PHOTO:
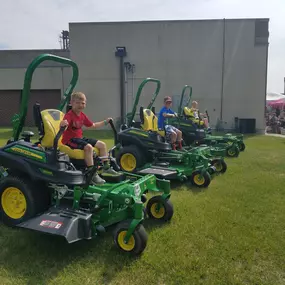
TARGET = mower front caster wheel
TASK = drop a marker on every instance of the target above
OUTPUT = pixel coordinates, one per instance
(137, 242)
(220, 165)
(201, 180)
(233, 151)
(159, 209)
(242, 146)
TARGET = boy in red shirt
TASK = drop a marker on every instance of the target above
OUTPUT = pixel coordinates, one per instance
(75, 119)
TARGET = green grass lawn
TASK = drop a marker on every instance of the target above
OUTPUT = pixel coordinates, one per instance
(231, 233)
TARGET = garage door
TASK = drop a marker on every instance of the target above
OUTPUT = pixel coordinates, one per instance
(10, 104)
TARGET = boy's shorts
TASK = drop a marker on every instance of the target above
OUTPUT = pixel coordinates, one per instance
(81, 143)
(170, 129)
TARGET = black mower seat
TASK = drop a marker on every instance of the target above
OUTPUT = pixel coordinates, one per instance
(48, 123)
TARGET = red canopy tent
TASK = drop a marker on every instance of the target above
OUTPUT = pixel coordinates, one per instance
(280, 103)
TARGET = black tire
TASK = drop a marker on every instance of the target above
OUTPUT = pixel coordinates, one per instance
(242, 146)
(135, 153)
(211, 170)
(233, 151)
(138, 240)
(144, 213)
(165, 212)
(220, 165)
(32, 202)
(205, 182)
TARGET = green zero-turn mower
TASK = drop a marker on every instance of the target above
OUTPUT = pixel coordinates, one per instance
(214, 153)
(143, 149)
(44, 188)
(194, 133)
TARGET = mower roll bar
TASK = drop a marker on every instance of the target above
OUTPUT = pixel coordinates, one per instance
(130, 116)
(182, 97)
(18, 120)
(181, 100)
(188, 101)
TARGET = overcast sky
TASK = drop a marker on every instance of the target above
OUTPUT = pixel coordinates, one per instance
(36, 24)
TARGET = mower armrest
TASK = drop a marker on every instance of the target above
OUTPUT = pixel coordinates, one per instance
(27, 135)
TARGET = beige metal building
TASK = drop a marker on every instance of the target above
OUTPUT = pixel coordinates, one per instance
(225, 61)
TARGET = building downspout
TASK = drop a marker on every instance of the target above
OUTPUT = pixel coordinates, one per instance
(223, 69)
(121, 53)
(265, 85)
(62, 82)
(122, 90)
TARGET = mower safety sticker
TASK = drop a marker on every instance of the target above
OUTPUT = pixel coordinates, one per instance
(50, 224)
(137, 190)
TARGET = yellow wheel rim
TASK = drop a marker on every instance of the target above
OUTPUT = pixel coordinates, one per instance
(199, 179)
(158, 214)
(126, 246)
(128, 162)
(218, 166)
(13, 203)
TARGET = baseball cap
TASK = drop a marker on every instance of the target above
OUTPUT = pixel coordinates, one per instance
(167, 99)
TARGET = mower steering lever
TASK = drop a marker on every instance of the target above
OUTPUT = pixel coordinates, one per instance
(89, 174)
(111, 122)
(55, 142)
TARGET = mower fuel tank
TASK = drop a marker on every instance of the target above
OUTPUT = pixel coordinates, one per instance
(143, 139)
(39, 164)
(73, 225)
(195, 135)
(200, 134)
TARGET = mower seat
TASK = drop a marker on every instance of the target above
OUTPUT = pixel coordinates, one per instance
(150, 122)
(188, 113)
(48, 123)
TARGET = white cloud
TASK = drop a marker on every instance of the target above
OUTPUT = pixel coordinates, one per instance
(30, 24)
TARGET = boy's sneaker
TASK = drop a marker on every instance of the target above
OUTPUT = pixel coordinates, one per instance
(96, 179)
(110, 171)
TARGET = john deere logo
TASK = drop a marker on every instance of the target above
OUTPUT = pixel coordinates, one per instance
(27, 153)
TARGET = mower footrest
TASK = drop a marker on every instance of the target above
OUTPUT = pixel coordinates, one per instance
(160, 172)
(71, 224)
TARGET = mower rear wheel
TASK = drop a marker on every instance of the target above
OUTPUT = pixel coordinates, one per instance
(19, 200)
(159, 209)
(137, 242)
(233, 151)
(220, 165)
(130, 158)
(201, 179)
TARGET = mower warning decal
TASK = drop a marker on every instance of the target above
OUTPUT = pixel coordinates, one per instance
(50, 224)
